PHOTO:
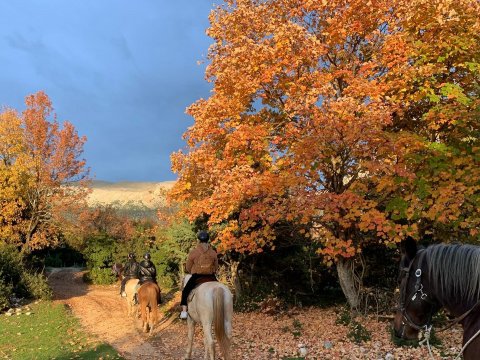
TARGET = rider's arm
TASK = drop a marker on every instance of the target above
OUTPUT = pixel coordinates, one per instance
(191, 258)
(215, 264)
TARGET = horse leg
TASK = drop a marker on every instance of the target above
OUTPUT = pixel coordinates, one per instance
(135, 308)
(130, 307)
(143, 310)
(191, 333)
(208, 341)
(150, 320)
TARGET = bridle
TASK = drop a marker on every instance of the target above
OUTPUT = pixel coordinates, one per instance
(417, 292)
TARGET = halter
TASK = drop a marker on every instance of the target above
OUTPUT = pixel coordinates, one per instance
(418, 290)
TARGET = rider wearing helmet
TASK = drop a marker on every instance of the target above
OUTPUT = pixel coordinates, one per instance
(130, 271)
(202, 263)
(147, 272)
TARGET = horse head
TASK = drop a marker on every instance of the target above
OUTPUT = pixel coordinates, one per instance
(117, 270)
(417, 304)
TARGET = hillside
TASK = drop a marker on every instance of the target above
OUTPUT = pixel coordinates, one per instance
(143, 194)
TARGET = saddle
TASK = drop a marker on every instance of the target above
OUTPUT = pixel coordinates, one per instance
(198, 282)
(139, 284)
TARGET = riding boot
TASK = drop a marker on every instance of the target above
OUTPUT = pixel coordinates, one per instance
(184, 313)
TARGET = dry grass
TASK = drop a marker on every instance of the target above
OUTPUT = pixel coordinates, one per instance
(148, 194)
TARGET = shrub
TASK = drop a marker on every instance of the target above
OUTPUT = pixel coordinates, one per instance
(6, 291)
(99, 252)
(358, 333)
(344, 317)
(100, 276)
(11, 264)
(16, 279)
(36, 285)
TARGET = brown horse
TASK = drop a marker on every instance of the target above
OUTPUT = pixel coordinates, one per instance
(149, 298)
(117, 270)
(439, 276)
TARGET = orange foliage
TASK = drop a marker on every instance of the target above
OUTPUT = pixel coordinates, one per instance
(106, 220)
(319, 114)
(43, 176)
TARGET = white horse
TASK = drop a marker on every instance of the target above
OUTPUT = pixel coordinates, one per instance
(130, 290)
(210, 303)
(130, 287)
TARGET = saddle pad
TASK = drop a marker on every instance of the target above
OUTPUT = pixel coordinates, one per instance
(199, 282)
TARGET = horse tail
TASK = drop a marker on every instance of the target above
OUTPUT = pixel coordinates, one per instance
(223, 335)
(154, 307)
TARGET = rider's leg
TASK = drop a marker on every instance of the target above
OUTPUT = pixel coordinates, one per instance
(135, 294)
(189, 286)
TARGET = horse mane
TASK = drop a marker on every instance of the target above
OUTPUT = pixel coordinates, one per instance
(454, 272)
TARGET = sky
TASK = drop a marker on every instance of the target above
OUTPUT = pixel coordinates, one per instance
(123, 72)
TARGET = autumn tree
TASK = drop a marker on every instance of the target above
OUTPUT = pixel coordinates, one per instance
(314, 121)
(11, 170)
(105, 220)
(436, 88)
(43, 168)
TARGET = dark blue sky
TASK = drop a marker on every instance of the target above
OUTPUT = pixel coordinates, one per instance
(121, 71)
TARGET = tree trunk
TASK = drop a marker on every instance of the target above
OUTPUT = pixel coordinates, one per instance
(348, 282)
(235, 279)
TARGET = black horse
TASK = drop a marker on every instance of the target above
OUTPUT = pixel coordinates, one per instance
(439, 276)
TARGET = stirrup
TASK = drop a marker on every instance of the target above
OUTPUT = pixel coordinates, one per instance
(183, 315)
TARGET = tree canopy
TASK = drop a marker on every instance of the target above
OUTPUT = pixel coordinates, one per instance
(355, 121)
(42, 174)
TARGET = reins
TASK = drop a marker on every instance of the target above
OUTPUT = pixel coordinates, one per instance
(427, 328)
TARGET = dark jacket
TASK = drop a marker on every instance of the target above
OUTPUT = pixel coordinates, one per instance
(147, 272)
(131, 269)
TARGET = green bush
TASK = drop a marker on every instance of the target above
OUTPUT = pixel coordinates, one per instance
(344, 317)
(11, 264)
(99, 255)
(99, 252)
(6, 291)
(358, 333)
(16, 279)
(171, 251)
(100, 276)
(36, 285)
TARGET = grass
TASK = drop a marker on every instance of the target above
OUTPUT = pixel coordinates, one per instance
(50, 332)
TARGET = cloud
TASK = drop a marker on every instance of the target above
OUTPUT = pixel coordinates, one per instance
(122, 72)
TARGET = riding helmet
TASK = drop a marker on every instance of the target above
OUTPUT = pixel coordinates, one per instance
(131, 256)
(203, 236)
(146, 256)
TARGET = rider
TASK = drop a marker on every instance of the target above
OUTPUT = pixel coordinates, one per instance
(129, 272)
(147, 273)
(202, 263)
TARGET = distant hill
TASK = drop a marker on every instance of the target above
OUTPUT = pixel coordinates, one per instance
(128, 194)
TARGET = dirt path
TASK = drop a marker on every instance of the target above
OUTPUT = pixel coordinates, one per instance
(257, 335)
(102, 312)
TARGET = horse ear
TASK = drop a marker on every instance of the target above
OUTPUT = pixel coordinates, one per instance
(408, 247)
